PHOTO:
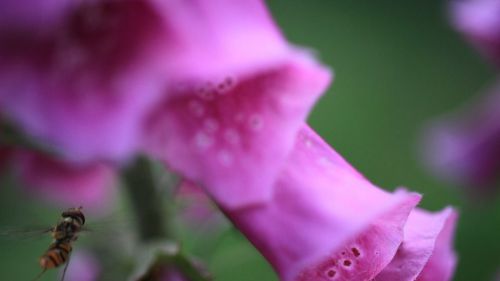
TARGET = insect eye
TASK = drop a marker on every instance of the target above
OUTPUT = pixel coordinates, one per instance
(66, 214)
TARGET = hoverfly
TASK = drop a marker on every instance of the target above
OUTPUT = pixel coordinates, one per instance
(64, 233)
(71, 225)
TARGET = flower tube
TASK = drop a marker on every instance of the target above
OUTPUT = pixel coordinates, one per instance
(325, 221)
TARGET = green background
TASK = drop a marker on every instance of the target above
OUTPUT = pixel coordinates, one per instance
(398, 64)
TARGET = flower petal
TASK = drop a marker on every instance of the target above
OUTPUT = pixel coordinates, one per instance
(27, 15)
(232, 135)
(441, 265)
(101, 68)
(95, 74)
(54, 180)
(213, 37)
(479, 20)
(325, 221)
(422, 233)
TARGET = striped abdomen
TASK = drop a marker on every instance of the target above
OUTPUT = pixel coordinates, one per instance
(56, 255)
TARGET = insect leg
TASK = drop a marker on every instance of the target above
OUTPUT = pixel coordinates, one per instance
(40, 274)
(65, 267)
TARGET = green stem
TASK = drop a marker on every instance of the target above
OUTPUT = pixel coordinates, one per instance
(165, 260)
(147, 201)
(189, 269)
(149, 189)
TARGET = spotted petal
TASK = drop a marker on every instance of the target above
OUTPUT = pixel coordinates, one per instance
(101, 66)
(325, 221)
(233, 134)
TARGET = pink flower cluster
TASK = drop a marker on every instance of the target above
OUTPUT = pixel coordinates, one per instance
(213, 90)
(465, 147)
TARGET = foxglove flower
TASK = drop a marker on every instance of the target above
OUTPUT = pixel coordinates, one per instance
(92, 75)
(212, 87)
(325, 221)
(466, 148)
(426, 253)
(233, 135)
(479, 20)
(98, 67)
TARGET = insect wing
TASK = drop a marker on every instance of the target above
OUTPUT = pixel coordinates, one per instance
(21, 233)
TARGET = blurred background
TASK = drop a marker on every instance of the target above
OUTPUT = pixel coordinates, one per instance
(398, 65)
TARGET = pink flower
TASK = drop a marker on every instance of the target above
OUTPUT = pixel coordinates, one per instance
(90, 185)
(210, 87)
(465, 148)
(84, 85)
(479, 20)
(233, 134)
(325, 221)
(99, 67)
(426, 253)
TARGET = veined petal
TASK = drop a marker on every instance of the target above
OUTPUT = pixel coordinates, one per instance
(479, 20)
(232, 135)
(325, 221)
(54, 180)
(421, 254)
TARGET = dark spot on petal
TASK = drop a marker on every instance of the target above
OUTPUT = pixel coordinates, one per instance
(331, 273)
(347, 263)
(229, 81)
(355, 252)
(343, 253)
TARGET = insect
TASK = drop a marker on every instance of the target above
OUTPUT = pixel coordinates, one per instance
(64, 233)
